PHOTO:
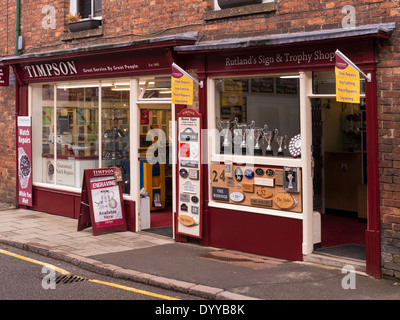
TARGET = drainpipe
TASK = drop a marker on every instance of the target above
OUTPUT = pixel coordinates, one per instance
(17, 110)
(18, 26)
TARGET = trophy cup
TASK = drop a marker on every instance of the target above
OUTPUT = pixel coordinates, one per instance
(258, 134)
(237, 135)
(269, 137)
(281, 141)
(224, 126)
(246, 129)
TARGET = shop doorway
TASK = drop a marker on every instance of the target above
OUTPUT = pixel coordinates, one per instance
(155, 163)
(340, 176)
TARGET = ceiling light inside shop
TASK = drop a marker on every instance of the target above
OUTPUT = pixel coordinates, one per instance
(295, 76)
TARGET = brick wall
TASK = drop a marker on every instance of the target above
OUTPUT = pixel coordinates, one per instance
(388, 83)
(7, 147)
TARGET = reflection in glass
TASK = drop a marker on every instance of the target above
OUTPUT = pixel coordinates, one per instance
(251, 111)
(115, 131)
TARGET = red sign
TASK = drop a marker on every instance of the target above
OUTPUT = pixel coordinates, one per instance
(4, 76)
(127, 63)
(24, 145)
(291, 58)
(102, 205)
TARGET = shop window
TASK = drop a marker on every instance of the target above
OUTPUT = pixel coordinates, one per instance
(115, 131)
(257, 116)
(66, 125)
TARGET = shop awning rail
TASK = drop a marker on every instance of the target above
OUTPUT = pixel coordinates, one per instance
(378, 30)
(173, 40)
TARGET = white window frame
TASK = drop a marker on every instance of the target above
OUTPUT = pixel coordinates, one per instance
(73, 9)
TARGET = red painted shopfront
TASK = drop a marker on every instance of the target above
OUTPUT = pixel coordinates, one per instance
(255, 229)
(271, 81)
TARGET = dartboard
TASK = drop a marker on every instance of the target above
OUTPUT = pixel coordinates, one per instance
(25, 165)
(295, 146)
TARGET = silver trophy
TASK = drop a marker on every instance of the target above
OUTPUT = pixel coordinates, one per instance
(225, 127)
(242, 133)
(237, 135)
(269, 137)
(258, 135)
(281, 141)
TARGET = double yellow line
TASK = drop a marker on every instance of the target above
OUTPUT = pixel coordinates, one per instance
(65, 272)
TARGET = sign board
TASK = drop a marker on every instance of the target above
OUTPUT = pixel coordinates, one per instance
(189, 174)
(102, 205)
(4, 76)
(347, 81)
(182, 87)
(24, 145)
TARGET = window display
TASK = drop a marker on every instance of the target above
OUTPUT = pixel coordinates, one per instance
(257, 122)
(257, 116)
(71, 116)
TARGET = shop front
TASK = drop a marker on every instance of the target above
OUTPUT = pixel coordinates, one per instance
(108, 106)
(283, 156)
(267, 158)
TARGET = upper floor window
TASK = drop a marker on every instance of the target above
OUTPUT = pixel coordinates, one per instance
(86, 8)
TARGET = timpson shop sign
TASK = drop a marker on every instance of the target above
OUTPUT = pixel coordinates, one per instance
(51, 69)
(91, 66)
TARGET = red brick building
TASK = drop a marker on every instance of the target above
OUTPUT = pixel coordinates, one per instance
(93, 94)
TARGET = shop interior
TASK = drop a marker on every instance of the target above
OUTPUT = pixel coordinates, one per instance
(340, 177)
(156, 169)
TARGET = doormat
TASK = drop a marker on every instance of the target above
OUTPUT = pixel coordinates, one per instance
(162, 231)
(351, 250)
(339, 230)
(161, 218)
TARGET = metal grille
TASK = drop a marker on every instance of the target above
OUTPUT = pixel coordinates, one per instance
(69, 278)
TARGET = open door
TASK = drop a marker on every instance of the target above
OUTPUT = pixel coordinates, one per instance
(340, 176)
(155, 168)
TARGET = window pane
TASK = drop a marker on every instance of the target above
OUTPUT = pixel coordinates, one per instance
(77, 138)
(155, 88)
(97, 8)
(115, 130)
(84, 8)
(47, 128)
(257, 116)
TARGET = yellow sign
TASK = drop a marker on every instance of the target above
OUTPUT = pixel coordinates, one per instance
(182, 88)
(232, 93)
(347, 82)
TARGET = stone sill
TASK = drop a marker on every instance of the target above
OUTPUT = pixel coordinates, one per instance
(68, 36)
(239, 11)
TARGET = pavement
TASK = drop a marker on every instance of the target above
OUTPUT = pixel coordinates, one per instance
(206, 272)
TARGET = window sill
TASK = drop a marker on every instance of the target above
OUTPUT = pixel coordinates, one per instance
(68, 36)
(239, 11)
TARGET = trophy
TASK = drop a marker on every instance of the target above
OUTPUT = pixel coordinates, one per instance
(281, 141)
(237, 135)
(242, 131)
(224, 126)
(258, 134)
(269, 136)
